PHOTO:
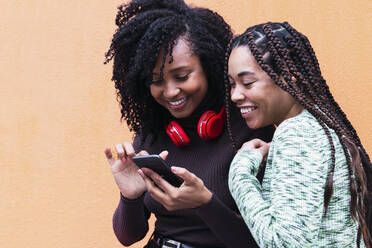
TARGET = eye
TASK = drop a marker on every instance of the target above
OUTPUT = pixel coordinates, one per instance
(247, 84)
(182, 78)
(156, 82)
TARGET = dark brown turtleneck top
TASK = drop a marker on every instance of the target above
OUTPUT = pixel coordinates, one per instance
(215, 224)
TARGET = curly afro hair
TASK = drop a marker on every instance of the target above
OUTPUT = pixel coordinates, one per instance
(144, 28)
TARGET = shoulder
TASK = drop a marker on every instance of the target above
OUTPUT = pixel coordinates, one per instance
(301, 137)
(301, 126)
(300, 149)
(302, 141)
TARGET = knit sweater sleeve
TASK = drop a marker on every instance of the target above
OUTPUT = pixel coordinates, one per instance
(130, 220)
(225, 223)
(290, 216)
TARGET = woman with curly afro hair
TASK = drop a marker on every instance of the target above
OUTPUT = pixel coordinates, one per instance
(316, 189)
(168, 72)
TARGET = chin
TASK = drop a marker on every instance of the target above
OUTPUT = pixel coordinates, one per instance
(253, 125)
(180, 115)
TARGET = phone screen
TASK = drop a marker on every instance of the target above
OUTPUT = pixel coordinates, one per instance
(157, 164)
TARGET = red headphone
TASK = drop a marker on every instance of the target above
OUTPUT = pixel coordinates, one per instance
(209, 127)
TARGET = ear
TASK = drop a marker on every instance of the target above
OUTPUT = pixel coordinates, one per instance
(299, 86)
(293, 79)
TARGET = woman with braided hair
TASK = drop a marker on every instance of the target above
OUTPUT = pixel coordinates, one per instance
(168, 72)
(314, 191)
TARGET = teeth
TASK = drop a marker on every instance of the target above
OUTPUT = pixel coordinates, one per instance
(178, 102)
(247, 110)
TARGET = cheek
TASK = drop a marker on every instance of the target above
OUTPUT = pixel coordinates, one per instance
(279, 97)
(199, 86)
(204, 88)
(155, 92)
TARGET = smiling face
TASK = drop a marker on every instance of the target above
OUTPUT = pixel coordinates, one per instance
(260, 100)
(184, 84)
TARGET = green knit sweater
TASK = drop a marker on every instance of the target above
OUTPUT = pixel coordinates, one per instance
(287, 210)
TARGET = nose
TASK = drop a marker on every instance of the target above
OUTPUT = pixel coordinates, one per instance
(171, 90)
(236, 94)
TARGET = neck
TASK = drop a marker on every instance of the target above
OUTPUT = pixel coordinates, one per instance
(296, 109)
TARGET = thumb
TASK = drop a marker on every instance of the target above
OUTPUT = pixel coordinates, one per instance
(186, 175)
(163, 155)
(142, 153)
(264, 149)
(258, 143)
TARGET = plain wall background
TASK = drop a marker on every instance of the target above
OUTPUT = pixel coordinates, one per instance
(58, 109)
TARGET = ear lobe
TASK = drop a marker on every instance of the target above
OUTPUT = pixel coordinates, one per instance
(297, 85)
(294, 80)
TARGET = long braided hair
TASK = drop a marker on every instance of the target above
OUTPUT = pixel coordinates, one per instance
(146, 27)
(281, 51)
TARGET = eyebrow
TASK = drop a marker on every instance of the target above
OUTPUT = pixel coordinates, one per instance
(242, 74)
(174, 70)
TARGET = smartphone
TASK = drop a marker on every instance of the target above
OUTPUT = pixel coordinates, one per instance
(157, 164)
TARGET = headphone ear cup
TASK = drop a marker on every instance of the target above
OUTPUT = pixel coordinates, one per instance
(177, 134)
(210, 124)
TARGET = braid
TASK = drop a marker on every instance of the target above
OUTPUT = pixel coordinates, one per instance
(343, 128)
(286, 65)
(323, 87)
(322, 102)
(227, 98)
(281, 51)
(299, 96)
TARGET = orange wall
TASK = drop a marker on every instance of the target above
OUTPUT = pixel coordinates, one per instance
(58, 108)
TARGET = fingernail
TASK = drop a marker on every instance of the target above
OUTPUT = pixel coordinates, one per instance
(123, 160)
(175, 169)
(140, 173)
(156, 178)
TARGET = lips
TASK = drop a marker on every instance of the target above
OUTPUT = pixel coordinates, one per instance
(178, 103)
(246, 110)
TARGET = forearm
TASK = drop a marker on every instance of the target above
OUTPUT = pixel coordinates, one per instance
(273, 224)
(130, 220)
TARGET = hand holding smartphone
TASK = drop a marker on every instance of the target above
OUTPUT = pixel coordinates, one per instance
(157, 164)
